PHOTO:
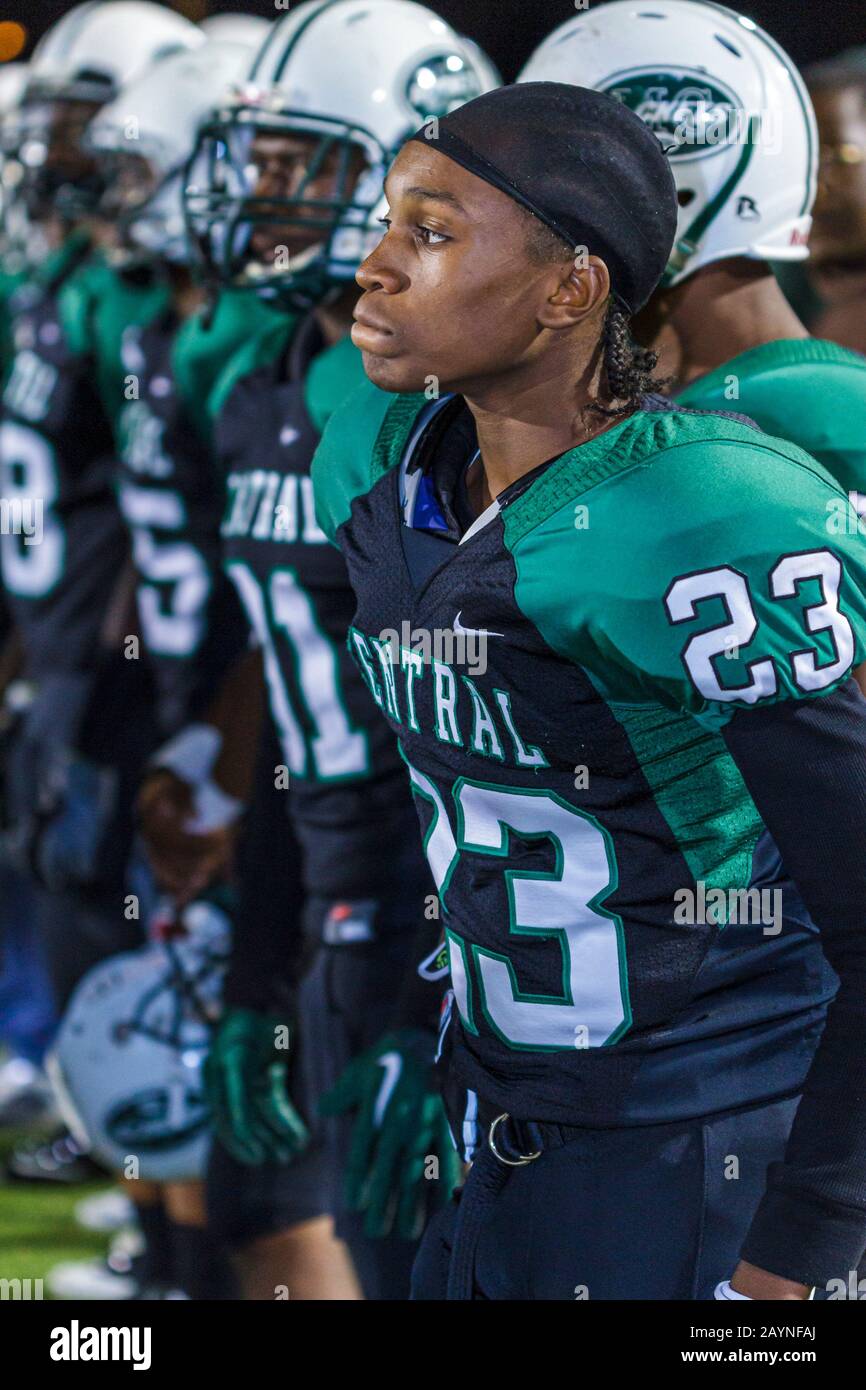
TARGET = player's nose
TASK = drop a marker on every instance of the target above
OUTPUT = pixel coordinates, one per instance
(379, 273)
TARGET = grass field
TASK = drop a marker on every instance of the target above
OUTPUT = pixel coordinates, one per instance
(37, 1227)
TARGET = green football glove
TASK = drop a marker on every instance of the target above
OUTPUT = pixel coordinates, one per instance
(400, 1126)
(245, 1077)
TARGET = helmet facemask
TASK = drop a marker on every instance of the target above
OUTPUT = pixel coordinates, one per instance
(284, 202)
(140, 215)
(59, 177)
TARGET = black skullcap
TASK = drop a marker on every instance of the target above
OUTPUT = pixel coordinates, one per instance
(583, 163)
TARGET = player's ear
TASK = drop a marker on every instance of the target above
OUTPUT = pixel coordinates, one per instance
(584, 286)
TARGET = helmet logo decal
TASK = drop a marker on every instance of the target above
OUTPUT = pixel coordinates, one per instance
(163, 1117)
(691, 115)
(747, 209)
(439, 85)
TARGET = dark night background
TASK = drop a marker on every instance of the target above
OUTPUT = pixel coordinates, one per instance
(510, 29)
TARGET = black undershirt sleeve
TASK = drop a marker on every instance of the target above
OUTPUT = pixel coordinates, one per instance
(805, 766)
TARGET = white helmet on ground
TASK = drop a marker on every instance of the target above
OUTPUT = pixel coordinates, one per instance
(353, 78)
(147, 134)
(127, 1063)
(727, 104)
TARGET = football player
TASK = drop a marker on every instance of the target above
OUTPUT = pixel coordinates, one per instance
(734, 117)
(60, 567)
(294, 176)
(78, 751)
(158, 375)
(26, 1008)
(155, 377)
(667, 630)
(837, 266)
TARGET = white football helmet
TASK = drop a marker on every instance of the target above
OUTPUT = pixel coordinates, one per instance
(127, 1063)
(248, 29)
(490, 74)
(144, 139)
(13, 80)
(728, 106)
(96, 47)
(353, 78)
(80, 63)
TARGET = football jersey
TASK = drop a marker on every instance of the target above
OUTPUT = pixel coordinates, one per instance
(560, 674)
(348, 795)
(171, 498)
(806, 390)
(63, 542)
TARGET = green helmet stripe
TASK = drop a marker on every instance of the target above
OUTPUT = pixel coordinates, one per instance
(688, 243)
(799, 87)
(264, 50)
(301, 29)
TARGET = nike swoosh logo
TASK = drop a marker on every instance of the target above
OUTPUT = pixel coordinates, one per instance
(392, 1065)
(462, 631)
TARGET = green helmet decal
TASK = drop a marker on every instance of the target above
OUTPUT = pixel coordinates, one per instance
(692, 115)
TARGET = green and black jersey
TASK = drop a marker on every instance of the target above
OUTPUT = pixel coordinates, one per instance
(63, 543)
(157, 377)
(805, 390)
(348, 795)
(601, 688)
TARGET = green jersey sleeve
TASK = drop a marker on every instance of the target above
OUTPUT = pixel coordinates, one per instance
(77, 303)
(100, 306)
(802, 389)
(706, 579)
(9, 283)
(333, 376)
(353, 451)
(260, 349)
(206, 343)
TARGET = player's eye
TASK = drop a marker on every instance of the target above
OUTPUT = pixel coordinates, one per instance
(385, 221)
(429, 237)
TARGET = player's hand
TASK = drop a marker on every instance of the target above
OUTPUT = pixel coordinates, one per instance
(757, 1283)
(399, 1126)
(184, 863)
(245, 1078)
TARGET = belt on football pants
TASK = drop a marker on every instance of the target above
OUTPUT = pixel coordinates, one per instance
(510, 1144)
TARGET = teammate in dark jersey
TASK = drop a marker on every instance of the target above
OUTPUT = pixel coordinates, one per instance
(652, 602)
(79, 752)
(837, 264)
(157, 377)
(727, 338)
(363, 886)
(88, 725)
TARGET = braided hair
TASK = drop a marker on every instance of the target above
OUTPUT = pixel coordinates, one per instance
(627, 368)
